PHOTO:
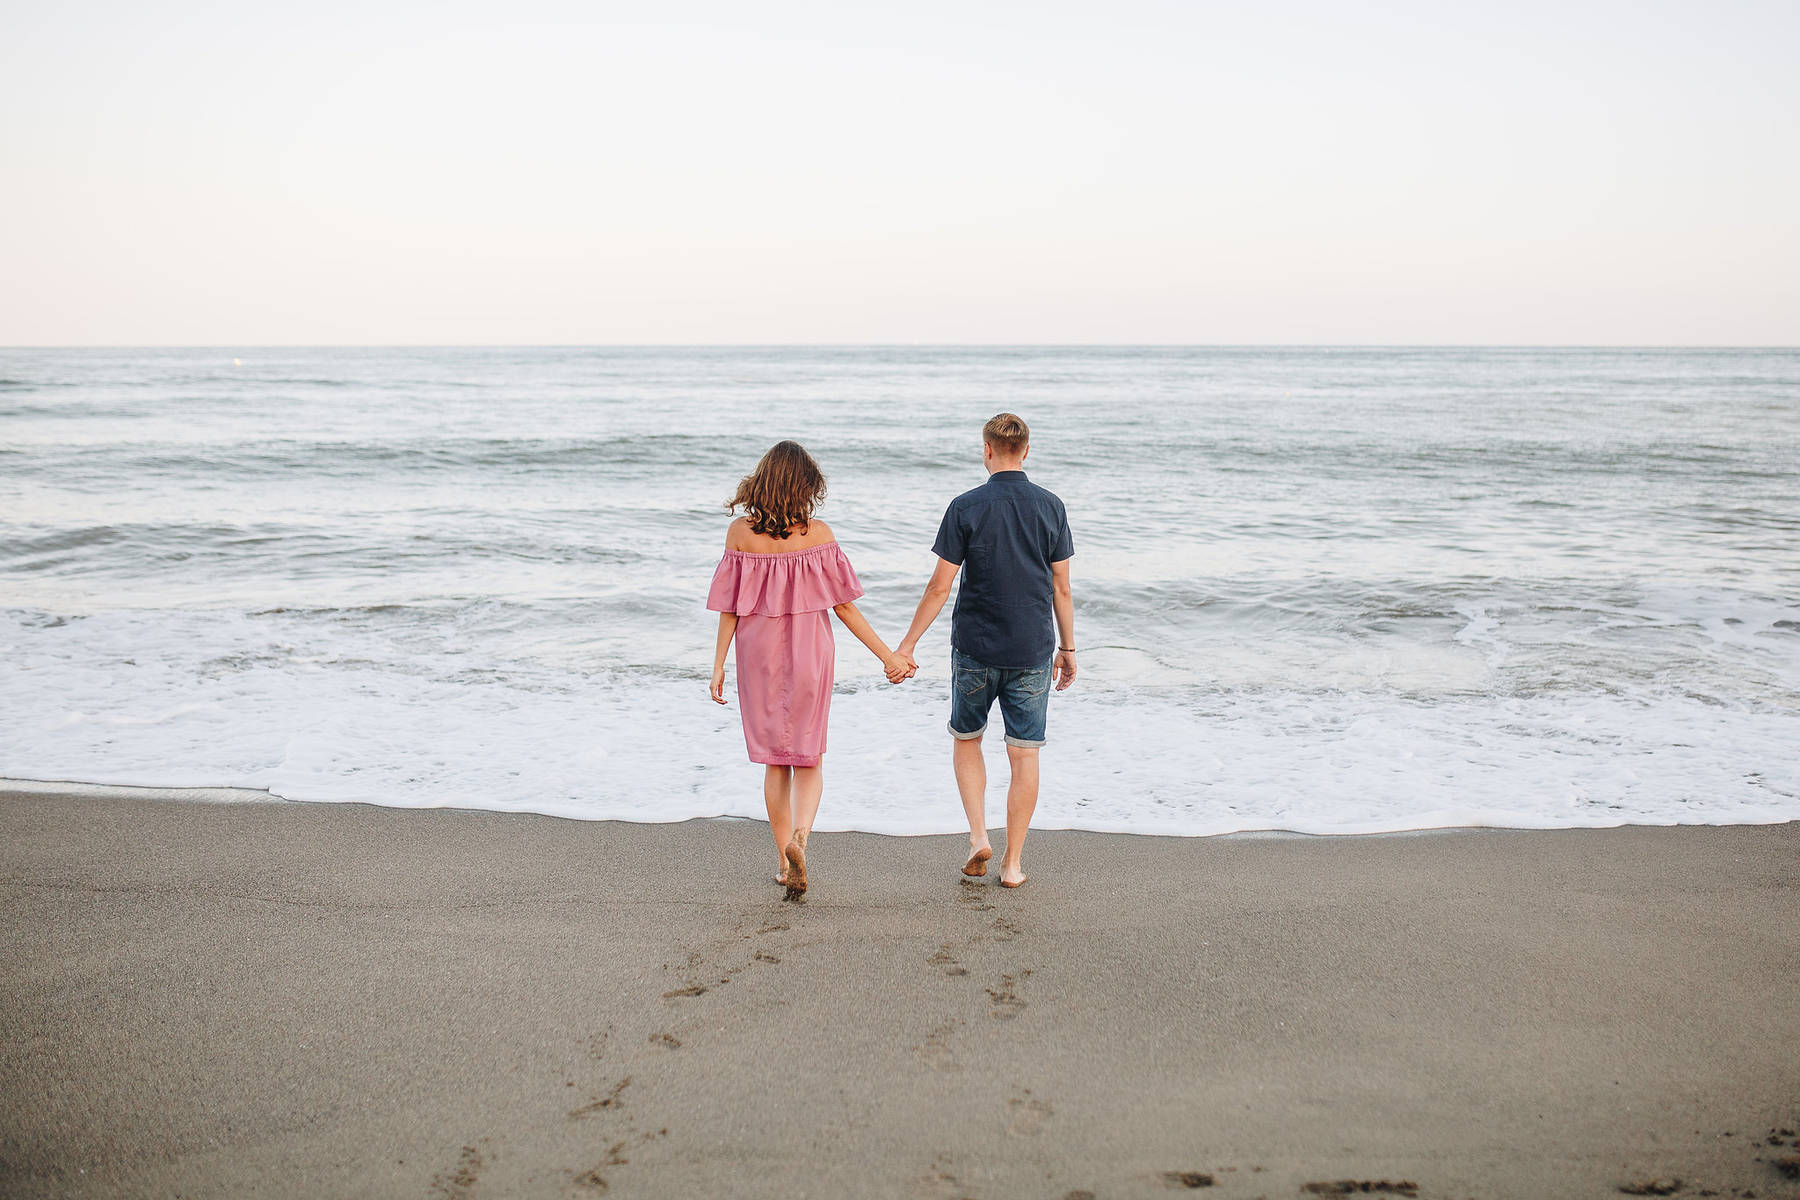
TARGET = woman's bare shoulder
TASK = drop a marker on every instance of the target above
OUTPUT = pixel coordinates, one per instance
(742, 537)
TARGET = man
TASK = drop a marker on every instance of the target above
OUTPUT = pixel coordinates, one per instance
(1012, 537)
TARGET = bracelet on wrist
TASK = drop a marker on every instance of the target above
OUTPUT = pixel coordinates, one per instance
(1066, 649)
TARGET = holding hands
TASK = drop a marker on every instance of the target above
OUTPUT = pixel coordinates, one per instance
(900, 666)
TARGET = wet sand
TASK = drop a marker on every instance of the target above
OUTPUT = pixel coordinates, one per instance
(227, 999)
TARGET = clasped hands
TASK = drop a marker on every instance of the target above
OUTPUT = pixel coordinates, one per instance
(900, 665)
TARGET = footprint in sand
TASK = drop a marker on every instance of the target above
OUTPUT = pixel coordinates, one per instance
(1004, 930)
(461, 1179)
(592, 1179)
(1346, 1187)
(1026, 1116)
(667, 1041)
(974, 895)
(1004, 1001)
(602, 1103)
(943, 958)
(941, 1181)
(1188, 1179)
(935, 1050)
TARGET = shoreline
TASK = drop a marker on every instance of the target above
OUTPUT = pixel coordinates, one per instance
(300, 998)
(243, 795)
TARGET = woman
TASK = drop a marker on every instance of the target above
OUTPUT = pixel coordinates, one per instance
(782, 575)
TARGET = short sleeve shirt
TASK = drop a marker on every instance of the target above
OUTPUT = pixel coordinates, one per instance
(1004, 535)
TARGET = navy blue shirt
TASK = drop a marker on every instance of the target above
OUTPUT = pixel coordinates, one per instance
(1004, 535)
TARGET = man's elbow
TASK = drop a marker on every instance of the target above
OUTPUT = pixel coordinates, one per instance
(1064, 590)
(939, 592)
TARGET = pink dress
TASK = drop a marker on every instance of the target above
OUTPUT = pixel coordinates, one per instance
(785, 649)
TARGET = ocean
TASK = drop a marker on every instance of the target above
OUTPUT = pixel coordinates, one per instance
(1317, 589)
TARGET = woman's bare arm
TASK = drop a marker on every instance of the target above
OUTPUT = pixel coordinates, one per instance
(727, 629)
(856, 623)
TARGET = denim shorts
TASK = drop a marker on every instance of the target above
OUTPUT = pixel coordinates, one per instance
(1023, 692)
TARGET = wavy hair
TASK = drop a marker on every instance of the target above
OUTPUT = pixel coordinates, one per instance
(782, 492)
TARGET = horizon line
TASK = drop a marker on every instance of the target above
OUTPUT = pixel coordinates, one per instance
(900, 346)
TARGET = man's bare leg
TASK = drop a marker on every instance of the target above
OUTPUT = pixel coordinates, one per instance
(1021, 802)
(778, 786)
(971, 781)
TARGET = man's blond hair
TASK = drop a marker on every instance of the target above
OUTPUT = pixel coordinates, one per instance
(1007, 434)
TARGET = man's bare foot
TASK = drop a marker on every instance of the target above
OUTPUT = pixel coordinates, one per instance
(1011, 877)
(976, 867)
(796, 872)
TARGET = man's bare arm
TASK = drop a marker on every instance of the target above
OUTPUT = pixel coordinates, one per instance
(1063, 601)
(930, 605)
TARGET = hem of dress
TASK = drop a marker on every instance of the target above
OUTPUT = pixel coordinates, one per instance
(789, 760)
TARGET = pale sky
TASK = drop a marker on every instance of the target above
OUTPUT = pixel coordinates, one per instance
(775, 172)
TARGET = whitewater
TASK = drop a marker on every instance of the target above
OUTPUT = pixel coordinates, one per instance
(1322, 590)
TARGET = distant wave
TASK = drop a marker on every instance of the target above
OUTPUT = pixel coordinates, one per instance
(244, 461)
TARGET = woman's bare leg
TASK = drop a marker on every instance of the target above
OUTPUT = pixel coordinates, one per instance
(778, 788)
(809, 785)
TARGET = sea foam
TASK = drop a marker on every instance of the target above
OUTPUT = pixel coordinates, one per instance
(1321, 590)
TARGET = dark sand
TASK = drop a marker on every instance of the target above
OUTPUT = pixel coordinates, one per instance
(272, 999)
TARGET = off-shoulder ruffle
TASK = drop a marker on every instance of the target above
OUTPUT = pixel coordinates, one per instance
(776, 585)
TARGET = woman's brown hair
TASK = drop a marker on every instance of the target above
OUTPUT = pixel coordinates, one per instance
(782, 492)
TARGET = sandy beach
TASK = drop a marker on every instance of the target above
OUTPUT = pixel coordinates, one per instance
(208, 998)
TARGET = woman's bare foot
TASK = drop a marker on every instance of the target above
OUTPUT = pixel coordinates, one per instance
(1011, 876)
(796, 871)
(781, 872)
(976, 867)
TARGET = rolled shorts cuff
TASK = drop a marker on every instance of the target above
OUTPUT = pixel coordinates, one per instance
(1023, 743)
(960, 736)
